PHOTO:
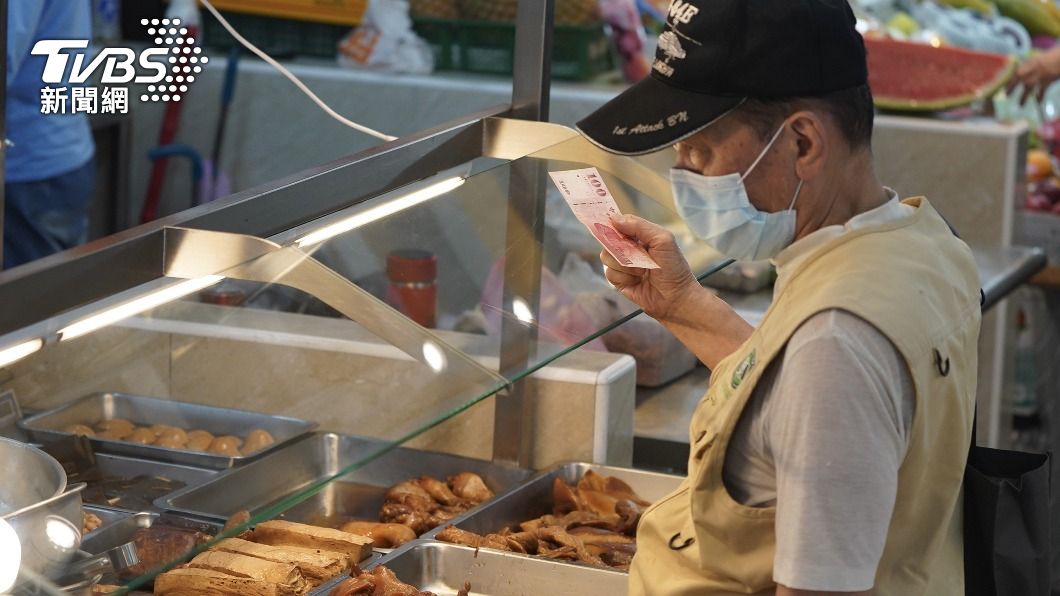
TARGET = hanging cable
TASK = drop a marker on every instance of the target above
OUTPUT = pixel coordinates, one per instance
(297, 82)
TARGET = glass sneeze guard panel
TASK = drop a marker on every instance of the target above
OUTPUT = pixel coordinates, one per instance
(174, 374)
(312, 330)
(483, 243)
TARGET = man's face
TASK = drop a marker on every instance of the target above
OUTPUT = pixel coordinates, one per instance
(730, 146)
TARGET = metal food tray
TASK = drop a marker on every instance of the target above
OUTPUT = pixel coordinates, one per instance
(117, 466)
(443, 569)
(107, 516)
(143, 411)
(534, 499)
(123, 530)
(358, 495)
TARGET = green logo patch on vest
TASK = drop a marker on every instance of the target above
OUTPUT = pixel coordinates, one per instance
(743, 369)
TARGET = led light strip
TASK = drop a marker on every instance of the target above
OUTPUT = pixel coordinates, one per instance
(20, 351)
(379, 212)
(137, 306)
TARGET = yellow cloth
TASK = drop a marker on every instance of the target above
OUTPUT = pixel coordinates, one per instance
(916, 283)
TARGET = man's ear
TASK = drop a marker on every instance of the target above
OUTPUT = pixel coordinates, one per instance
(811, 138)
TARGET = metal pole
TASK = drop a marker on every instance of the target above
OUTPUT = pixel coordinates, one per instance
(3, 120)
(513, 417)
(513, 422)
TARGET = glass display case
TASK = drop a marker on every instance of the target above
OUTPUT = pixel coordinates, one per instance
(215, 343)
(293, 353)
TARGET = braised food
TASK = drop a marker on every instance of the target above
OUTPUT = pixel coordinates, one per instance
(159, 545)
(90, 521)
(174, 437)
(594, 522)
(256, 440)
(377, 581)
(383, 535)
(425, 503)
(285, 533)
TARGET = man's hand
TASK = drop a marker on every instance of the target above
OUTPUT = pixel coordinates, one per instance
(704, 323)
(658, 291)
(1036, 73)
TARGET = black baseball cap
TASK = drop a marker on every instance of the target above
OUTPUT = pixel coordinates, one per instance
(716, 53)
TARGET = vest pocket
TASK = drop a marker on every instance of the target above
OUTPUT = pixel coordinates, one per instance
(663, 523)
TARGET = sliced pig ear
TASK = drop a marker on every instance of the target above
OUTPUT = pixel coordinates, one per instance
(618, 488)
(563, 498)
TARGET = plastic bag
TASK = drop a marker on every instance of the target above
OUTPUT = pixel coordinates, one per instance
(660, 357)
(386, 41)
(627, 32)
(562, 319)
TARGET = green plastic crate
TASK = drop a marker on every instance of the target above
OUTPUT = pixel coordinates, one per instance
(580, 52)
(277, 37)
(441, 36)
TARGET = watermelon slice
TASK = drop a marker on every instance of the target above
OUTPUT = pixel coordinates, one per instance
(922, 78)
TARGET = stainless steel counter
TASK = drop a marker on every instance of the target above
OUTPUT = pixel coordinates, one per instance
(662, 415)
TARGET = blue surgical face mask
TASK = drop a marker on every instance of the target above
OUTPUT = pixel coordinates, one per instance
(718, 210)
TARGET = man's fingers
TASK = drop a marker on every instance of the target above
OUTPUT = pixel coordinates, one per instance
(1025, 93)
(612, 264)
(620, 279)
(641, 230)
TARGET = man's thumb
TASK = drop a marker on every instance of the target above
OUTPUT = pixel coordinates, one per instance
(629, 225)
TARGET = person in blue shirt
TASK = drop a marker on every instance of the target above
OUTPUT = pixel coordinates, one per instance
(50, 170)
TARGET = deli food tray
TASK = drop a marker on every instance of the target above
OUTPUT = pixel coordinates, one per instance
(534, 498)
(130, 484)
(106, 515)
(146, 411)
(444, 569)
(123, 530)
(357, 495)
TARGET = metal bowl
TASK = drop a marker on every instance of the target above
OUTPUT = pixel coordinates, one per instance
(30, 476)
(44, 512)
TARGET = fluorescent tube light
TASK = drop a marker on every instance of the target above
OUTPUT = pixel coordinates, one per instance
(378, 212)
(137, 306)
(20, 351)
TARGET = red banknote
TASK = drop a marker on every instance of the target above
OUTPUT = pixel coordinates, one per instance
(585, 192)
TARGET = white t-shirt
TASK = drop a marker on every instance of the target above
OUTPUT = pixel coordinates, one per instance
(823, 436)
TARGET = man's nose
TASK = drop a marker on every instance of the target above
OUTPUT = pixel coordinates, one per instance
(683, 160)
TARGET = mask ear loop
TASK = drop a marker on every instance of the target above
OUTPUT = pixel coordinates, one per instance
(796, 197)
(769, 146)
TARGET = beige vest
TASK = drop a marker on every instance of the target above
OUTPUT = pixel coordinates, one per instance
(916, 283)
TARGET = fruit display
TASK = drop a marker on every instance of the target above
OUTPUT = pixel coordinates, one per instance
(568, 12)
(435, 9)
(1040, 17)
(980, 6)
(908, 76)
(1043, 183)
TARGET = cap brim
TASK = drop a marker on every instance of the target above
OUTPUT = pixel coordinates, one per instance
(652, 115)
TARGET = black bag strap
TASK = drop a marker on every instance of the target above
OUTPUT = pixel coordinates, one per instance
(975, 422)
(975, 412)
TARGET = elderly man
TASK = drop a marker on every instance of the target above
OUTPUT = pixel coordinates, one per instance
(828, 453)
